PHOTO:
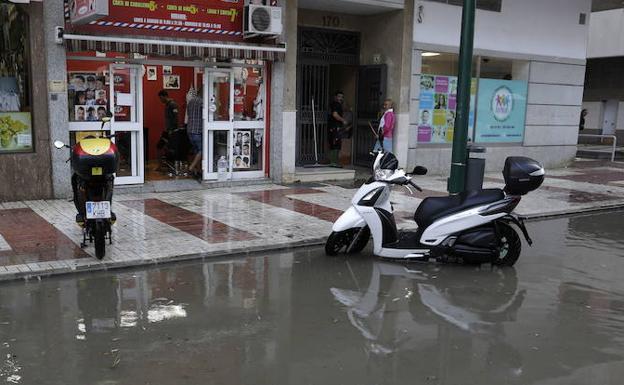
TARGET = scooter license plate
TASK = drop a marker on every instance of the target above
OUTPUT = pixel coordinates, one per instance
(96, 171)
(98, 210)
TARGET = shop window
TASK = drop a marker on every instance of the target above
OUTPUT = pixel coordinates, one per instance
(486, 5)
(438, 98)
(501, 106)
(15, 94)
(438, 63)
(497, 99)
(249, 94)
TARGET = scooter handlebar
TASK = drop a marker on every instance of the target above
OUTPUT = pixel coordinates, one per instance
(414, 185)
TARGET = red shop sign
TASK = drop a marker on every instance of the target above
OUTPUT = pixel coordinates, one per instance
(201, 19)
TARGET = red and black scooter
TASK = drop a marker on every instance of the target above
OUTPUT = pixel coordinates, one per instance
(94, 162)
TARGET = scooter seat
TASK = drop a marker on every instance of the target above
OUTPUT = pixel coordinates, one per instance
(433, 208)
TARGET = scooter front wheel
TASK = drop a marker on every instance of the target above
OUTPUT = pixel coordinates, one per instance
(510, 246)
(350, 241)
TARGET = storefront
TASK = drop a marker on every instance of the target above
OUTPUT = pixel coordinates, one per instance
(527, 83)
(120, 62)
(24, 151)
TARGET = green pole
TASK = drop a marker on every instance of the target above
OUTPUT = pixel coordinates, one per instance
(460, 136)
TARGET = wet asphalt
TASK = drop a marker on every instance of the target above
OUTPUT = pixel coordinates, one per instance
(300, 317)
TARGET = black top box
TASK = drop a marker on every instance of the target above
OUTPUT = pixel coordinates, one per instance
(522, 175)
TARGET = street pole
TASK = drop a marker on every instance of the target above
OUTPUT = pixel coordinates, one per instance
(460, 136)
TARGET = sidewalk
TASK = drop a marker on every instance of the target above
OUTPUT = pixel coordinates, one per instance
(40, 238)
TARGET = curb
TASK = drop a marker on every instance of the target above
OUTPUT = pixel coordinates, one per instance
(94, 265)
(570, 213)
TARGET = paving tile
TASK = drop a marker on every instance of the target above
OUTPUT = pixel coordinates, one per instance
(200, 226)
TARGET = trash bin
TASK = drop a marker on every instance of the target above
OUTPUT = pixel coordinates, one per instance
(475, 168)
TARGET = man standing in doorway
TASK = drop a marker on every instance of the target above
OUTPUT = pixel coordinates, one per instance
(335, 123)
(195, 125)
(171, 111)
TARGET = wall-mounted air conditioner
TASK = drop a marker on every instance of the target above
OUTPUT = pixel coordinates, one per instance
(262, 20)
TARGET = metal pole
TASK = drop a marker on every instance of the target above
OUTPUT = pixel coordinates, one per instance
(314, 125)
(458, 166)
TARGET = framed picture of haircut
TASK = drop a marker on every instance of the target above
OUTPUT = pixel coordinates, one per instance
(151, 73)
(171, 82)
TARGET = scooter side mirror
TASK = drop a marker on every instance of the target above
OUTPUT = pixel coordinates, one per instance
(58, 144)
(419, 170)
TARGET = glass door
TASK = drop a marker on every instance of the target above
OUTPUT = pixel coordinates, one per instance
(126, 103)
(218, 95)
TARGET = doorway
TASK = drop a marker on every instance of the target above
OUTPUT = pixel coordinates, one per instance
(126, 126)
(327, 62)
(610, 111)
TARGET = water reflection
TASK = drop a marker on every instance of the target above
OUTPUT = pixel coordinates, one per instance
(304, 318)
(403, 308)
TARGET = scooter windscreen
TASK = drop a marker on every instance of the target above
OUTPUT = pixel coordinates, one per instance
(388, 162)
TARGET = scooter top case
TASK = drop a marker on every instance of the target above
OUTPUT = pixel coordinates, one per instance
(95, 157)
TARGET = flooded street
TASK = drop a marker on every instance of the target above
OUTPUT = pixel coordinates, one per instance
(304, 318)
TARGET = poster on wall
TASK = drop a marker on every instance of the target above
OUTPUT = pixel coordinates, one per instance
(438, 102)
(501, 111)
(15, 132)
(208, 19)
(87, 96)
(242, 149)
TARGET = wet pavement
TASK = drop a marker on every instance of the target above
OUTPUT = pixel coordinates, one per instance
(41, 238)
(304, 318)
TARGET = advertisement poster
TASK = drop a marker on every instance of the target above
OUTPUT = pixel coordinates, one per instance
(15, 132)
(207, 19)
(438, 102)
(242, 149)
(501, 111)
(88, 96)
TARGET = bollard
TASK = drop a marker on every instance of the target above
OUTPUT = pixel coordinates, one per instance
(475, 168)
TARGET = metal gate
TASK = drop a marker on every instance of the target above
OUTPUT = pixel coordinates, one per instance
(371, 93)
(313, 87)
(318, 49)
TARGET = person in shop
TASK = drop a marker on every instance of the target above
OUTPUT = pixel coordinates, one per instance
(335, 123)
(171, 111)
(194, 128)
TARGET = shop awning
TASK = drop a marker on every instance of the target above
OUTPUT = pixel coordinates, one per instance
(188, 49)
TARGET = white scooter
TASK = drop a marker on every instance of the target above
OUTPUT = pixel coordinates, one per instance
(473, 226)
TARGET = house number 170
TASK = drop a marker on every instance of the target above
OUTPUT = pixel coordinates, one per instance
(331, 21)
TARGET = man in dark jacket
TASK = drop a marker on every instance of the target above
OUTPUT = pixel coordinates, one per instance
(171, 111)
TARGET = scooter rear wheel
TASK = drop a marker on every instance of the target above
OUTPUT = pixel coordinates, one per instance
(510, 246)
(100, 239)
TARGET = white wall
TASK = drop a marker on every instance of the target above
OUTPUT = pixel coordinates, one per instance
(620, 117)
(606, 31)
(532, 27)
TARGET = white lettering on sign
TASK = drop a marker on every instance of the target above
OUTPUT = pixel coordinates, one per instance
(178, 16)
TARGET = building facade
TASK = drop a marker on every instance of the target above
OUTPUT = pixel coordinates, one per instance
(604, 83)
(527, 82)
(527, 89)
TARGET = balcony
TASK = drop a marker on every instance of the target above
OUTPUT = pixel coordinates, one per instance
(353, 7)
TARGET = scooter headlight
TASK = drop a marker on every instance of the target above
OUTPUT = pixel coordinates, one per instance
(383, 174)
